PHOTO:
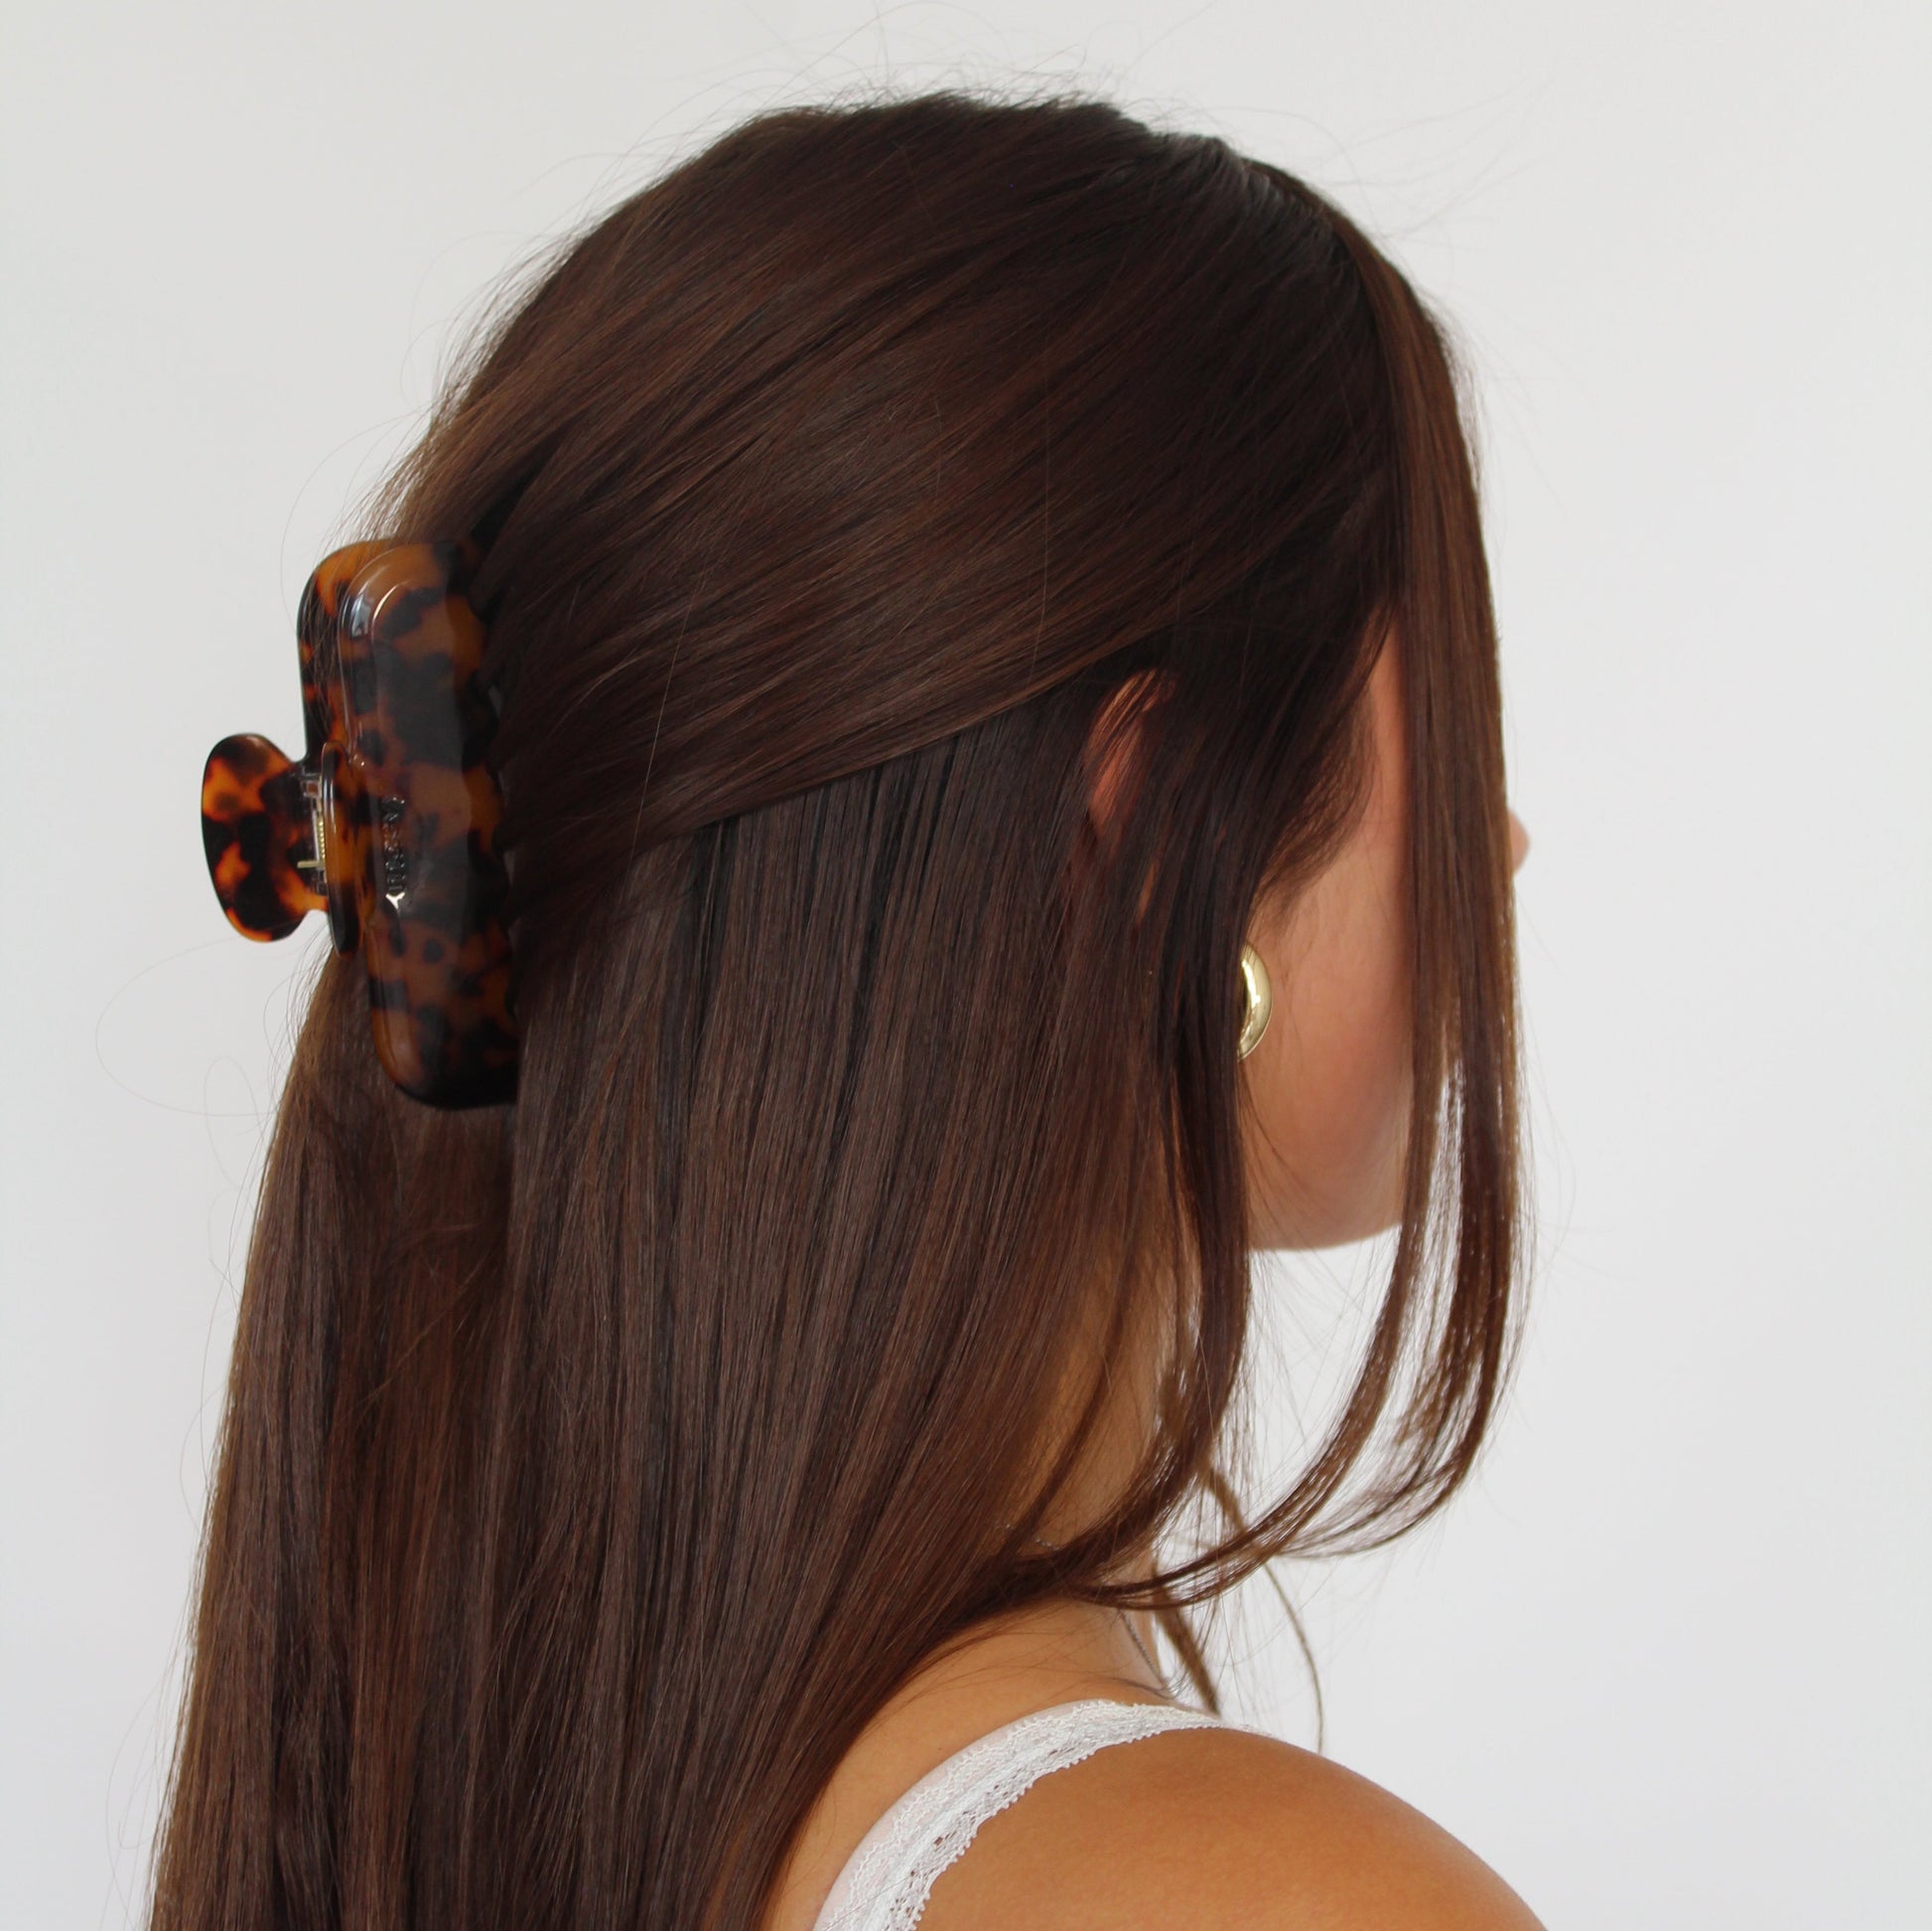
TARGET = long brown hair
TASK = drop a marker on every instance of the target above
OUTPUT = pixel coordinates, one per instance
(593, 1468)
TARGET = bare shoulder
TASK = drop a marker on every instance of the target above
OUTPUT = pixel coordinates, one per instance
(1222, 1827)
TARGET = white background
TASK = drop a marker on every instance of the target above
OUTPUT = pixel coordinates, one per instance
(1667, 1663)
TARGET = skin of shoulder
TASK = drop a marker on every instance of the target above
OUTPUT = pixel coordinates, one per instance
(1223, 1829)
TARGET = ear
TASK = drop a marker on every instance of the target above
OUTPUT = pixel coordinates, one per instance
(1113, 750)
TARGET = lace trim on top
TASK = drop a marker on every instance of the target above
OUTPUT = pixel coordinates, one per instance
(886, 1880)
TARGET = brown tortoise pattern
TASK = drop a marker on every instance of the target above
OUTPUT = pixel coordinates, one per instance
(390, 823)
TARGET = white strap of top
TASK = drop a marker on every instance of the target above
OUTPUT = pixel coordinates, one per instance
(887, 1878)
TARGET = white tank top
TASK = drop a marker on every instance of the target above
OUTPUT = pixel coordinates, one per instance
(886, 1881)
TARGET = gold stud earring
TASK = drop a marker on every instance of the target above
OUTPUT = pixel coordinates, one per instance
(1258, 1000)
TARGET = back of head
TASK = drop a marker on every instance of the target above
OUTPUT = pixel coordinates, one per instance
(594, 1466)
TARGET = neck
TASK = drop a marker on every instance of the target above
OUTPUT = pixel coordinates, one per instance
(1048, 1652)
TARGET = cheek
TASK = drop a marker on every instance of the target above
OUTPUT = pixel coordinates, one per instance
(1328, 1082)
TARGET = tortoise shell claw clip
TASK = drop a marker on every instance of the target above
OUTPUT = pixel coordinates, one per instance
(389, 822)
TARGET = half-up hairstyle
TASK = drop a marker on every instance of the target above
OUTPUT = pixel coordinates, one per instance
(593, 1468)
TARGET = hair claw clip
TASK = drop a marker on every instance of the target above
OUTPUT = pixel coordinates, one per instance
(390, 823)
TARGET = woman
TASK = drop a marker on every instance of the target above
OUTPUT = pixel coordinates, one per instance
(994, 709)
